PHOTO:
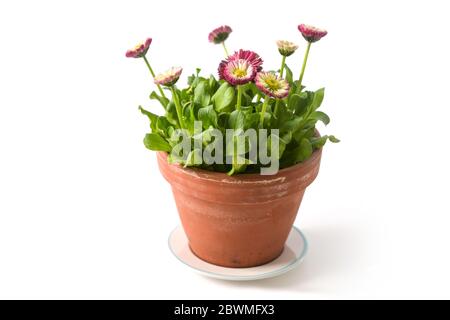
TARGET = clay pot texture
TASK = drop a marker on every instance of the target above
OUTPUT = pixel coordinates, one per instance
(238, 221)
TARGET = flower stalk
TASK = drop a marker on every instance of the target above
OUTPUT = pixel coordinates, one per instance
(311, 34)
(277, 106)
(225, 49)
(239, 97)
(219, 35)
(305, 60)
(153, 75)
(178, 107)
(263, 110)
(283, 64)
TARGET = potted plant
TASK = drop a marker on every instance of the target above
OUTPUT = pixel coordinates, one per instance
(238, 150)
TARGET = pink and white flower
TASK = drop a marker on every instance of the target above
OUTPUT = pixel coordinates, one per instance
(219, 34)
(140, 50)
(272, 85)
(286, 48)
(169, 78)
(241, 67)
(310, 33)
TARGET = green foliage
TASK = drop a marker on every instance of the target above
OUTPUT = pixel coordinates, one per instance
(213, 102)
(224, 98)
(155, 142)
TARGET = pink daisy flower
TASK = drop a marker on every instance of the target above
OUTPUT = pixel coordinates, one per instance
(139, 50)
(310, 33)
(169, 78)
(272, 85)
(286, 48)
(219, 34)
(241, 67)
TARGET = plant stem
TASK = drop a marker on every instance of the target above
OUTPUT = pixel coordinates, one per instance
(263, 110)
(275, 112)
(177, 107)
(153, 75)
(305, 59)
(283, 63)
(225, 49)
(239, 97)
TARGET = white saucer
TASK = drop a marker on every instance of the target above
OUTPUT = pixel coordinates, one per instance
(293, 254)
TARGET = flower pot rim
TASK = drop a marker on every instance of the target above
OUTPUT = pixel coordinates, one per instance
(224, 178)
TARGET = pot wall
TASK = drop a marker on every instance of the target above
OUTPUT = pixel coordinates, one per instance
(238, 221)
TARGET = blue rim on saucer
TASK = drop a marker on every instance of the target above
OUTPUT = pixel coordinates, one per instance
(294, 252)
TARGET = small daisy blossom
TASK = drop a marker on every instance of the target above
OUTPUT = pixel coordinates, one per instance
(272, 85)
(286, 48)
(139, 50)
(219, 34)
(310, 33)
(248, 55)
(169, 78)
(241, 67)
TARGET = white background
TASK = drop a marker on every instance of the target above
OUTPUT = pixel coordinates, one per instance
(84, 212)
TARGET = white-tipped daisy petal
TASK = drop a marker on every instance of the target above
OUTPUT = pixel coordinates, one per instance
(272, 85)
(170, 77)
(286, 48)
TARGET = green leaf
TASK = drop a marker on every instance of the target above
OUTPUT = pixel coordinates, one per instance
(288, 75)
(201, 94)
(251, 90)
(194, 158)
(224, 97)
(189, 117)
(223, 120)
(206, 136)
(286, 138)
(155, 142)
(318, 142)
(303, 133)
(162, 126)
(212, 83)
(238, 168)
(171, 114)
(334, 139)
(164, 101)
(236, 120)
(306, 149)
(291, 125)
(251, 121)
(284, 114)
(320, 116)
(299, 103)
(317, 99)
(297, 87)
(208, 117)
(151, 116)
(281, 144)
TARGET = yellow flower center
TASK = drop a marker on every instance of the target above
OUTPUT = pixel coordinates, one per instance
(240, 73)
(273, 84)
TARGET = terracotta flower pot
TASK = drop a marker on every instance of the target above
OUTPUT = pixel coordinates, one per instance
(238, 221)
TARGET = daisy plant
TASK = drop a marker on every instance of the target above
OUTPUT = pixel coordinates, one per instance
(272, 86)
(219, 35)
(140, 51)
(311, 35)
(244, 96)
